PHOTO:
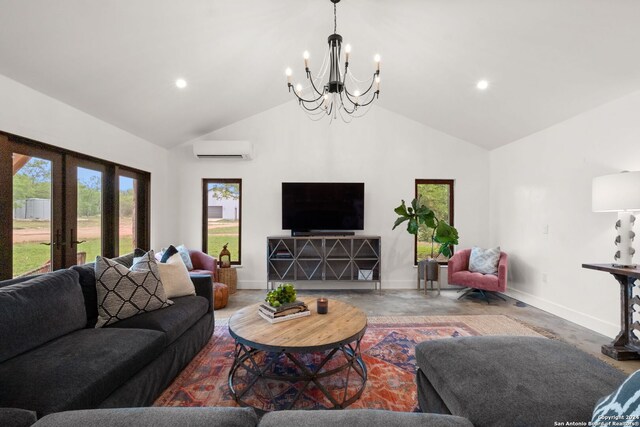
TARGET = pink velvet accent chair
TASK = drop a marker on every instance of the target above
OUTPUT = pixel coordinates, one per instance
(203, 264)
(484, 284)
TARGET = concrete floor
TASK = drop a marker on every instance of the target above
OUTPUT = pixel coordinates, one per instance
(415, 303)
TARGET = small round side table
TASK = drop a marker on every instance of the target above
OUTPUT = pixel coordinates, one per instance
(229, 276)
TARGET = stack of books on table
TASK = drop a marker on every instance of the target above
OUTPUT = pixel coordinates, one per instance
(283, 313)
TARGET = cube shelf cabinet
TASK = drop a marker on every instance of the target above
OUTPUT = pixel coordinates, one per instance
(323, 258)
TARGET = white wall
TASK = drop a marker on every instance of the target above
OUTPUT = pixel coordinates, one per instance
(539, 182)
(384, 150)
(544, 180)
(28, 113)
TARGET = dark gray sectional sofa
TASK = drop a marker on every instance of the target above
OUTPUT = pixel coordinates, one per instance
(56, 369)
(244, 417)
(511, 381)
(52, 359)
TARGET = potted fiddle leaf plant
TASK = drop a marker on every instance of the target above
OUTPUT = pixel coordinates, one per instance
(442, 233)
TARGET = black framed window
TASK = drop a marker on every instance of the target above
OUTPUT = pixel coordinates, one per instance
(133, 213)
(222, 217)
(437, 194)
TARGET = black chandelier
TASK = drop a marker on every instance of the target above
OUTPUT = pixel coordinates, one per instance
(336, 97)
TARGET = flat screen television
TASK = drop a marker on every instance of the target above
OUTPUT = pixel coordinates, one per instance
(320, 206)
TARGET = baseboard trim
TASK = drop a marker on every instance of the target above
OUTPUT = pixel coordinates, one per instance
(386, 284)
(598, 325)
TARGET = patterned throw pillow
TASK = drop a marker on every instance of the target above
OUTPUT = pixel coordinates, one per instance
(623, 405)
(484, 261)
(123, 292)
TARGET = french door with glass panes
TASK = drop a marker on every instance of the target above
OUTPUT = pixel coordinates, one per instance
(52, 211)
(59, 208)
(87, 225)
(32, 232)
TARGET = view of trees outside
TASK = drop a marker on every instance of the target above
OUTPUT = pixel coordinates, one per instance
(89, 215)
(32, 220)
(32, 216)
(32, 181)
(436, 198)
(126, 215)
(223, 224)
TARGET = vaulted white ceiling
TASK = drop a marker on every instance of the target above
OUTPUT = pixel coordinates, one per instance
(546, 60)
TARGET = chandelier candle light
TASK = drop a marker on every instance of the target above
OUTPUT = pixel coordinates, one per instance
(336, 97)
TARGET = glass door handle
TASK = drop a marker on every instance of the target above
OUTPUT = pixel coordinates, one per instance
(75, 242)
(57, 241)
(53, 244)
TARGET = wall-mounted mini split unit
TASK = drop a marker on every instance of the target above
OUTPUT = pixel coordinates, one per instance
(223, 150)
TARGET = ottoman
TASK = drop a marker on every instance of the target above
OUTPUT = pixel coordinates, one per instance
(220, 295)
(511, 381)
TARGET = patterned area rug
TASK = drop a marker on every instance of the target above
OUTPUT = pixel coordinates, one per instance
(387, 349)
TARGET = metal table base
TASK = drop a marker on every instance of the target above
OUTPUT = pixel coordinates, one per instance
(259, 366)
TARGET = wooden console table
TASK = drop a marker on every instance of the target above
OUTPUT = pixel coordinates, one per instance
(626, 346)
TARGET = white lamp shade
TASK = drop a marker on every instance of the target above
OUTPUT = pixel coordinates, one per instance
(617, 192)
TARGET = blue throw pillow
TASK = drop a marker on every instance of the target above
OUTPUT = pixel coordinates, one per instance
(171, 251)
(186, 258)
(620, 406)
(484, 261)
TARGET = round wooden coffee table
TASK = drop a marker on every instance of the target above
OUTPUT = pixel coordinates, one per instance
(276, 365)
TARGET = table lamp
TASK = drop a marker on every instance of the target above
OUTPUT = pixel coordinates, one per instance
(620, 193)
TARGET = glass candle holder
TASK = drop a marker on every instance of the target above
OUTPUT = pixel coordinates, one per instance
(322, 305)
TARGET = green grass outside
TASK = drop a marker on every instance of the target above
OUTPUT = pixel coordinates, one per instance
(126, 245)
(29, 256)
(215, 244)
(92, 247)
(224, 230)
(424, 251)
(230, 236)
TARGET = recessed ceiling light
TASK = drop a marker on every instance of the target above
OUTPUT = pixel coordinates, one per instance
(181, 83)
(482, 85)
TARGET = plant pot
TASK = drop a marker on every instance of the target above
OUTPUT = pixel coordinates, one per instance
(432, 269)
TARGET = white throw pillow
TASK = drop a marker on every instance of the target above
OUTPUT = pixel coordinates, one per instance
(175, 277)
(484, 261)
